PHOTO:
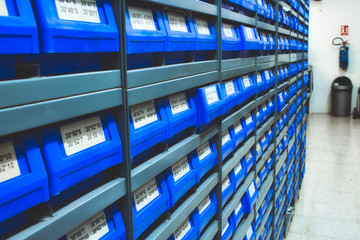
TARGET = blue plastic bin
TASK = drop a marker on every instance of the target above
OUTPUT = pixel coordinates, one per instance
(248, 4)
(259, 150)
(205, 211)
(150, 201)
(258, 219)
(250, 123)
(249, 160)
(238, 174)
(78, 149)
(228, 144)
(233, 94)
(261, 82)
(180, 178)
(227, 188)
(23, 179)
(250, 197)
(251, 233)
(228, 230)
(230, 39)
(238, 214)
(205, 37)
(106, 225)
(205, 158)
(249, 38)
(238, 132)
(188, 230)
(264, 142)
(248, 85)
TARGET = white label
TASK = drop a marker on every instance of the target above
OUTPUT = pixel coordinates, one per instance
(204, 204)
(238, 168)
(3, 8)
(180, 168)
(141, 18)
(258, 113)
(263, 139)
(203, 150)
(202, 26)
(260, 2)
(229, 87)
(145, 194)
(143, 114)
(259, 78)
(270, 104)
(258, 147)
(225, 137)
(249, 233)
(78, 10)
(267, 75)
(182, 230)
(269, 161)
(246, 81)
(178, 103)
(225, 184)
(211, 94)
(224, 229)
(248, 119)
(92, 229)
(228, 30)
(248, 156)
(237, 127)
(9, 166)
(252, 189)
(82, 135)
(238, 207)
(249, 32)
(264, 37)
(263, 107)
(177, 22)
(281, 97)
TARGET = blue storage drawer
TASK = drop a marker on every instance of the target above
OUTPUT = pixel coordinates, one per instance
(294, 23)
(259, 150)
(230, 39)
(238, 131)
(188, 230)
(261, 82)
(270, 80)
(269, 163)
(233, 94)
(251, 232)
(227, 143)
(205, 34)
(248, 85)
(238, 174)
(70, 27)
(249, 160)
(19, 33)
(227, 189)
(205, 158)
(250, 123)
(264, 142)
(281, 43)
(105, 225)
(259, 116)
(263, 173)
(23, 177)
(180, 111)
(280, 101)
(248, 4)
(78, 149)
(262, 10)
(271, 105)
(258, 219)
(209, 103)
(205, 211)
(228, 230)
(150, 201)
(264, 43)
(148, 126)
(272, 12)
(180, 177)
(265, 110)
(272, 41)
(249, 38)
(250, 197)
(238, 214)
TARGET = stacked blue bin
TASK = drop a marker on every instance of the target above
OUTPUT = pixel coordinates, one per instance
(188, 229)
(204, 158)
(205, 211)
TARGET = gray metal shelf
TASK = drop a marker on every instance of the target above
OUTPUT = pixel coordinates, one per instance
(237, 67)
(211, 231)
(266, 126)
(264, 66)
(164, 230)
(291, 142)
(280, 229)
(265, 187)
(269, 233)
(282, 86)
(243, 228)
(264, 220)
(266, 26)
(278, 190)
(280, 162)
(265, 59)
(237, 63)
(191, 5)
(47, 112)
(265, 157)
(237, 17)
(76, 212)
(284, 31)
(266, 96)
(154, 166)
(229, 208)
(236, 116)
(283, 59)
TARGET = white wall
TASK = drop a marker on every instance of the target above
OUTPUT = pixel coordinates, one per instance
(326, 18)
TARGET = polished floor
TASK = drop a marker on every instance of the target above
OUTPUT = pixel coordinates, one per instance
(329, 204)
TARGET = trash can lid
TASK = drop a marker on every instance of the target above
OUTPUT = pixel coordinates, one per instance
(342, 83)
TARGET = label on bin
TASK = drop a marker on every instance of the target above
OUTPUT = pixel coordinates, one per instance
(237, 127)
(202, 26)
(249, 156)
(3, 8)
(258, 147)
(180, 168)
(78, 10)
(248, 119)
(228, 30)
(238, 207)
(259, 78)
(224, 229)
(225, 137)
(264, 37)
(281, 97)
(229, 87)
(211, 94)
(93, 229)
(82, 135)
(145, 194)
(267, 75)
(238, 168)
(203, 150)
(249, 32)
(141, 18)
(249, 233)
(252, 189)
(177, 22)
(270, 103)
(182, 230)
(9, 166)
(178, 103)
(263, 139)
(204, 204)
(143, 114)
(246, 81)
(263, 107)
(225, 184)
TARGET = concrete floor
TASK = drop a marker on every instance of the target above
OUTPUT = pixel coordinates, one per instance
(329, 204)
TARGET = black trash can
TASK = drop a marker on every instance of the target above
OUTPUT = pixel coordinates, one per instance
(341, 97)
